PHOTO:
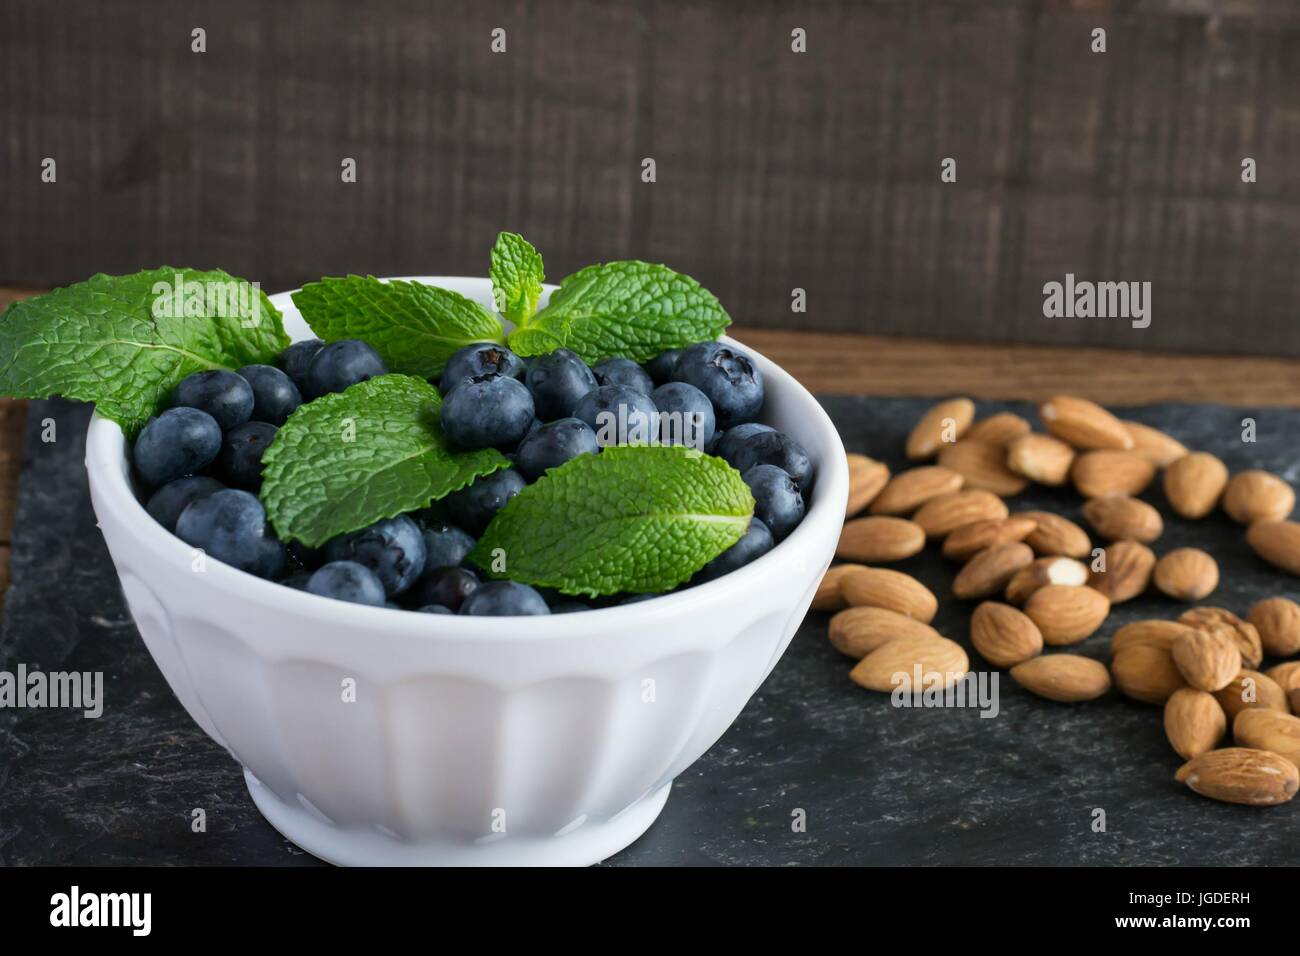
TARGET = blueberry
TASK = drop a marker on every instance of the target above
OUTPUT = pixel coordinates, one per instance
(166, 504)
(727, 376)
(305, 558)
(340, 365)
(728, 443)
(392, 548)
(569, 607)
(504, 598)
(754, 543)
(445, 545)
(558, 380)
(227, 397)
(487, 411)
(447, 586)
(621, 371)
(241, 454)
(295, 359)
(774, 448)
(685, 415)
(777, 501)
(473, 507)
(660, 368)
(347, 581)
(297, 581)
(481, 358)
(177, 443)
(435, 609)
(230, 526)
(554, 444)
(619, 415)
(274, 395)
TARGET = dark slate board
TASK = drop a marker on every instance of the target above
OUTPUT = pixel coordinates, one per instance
(878, 785)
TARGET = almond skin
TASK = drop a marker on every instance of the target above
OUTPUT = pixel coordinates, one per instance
(1128, 571)
(1278, 543)
(1147, 672)
(1000, 429)
(857, 631)
(940, 425)
(1251, 689)
(1045, 571)
(1287, 676)
(1244, 634)
(829, 597)
(969, 539)
(1277, 620)
(1111, 472)
(1083, 424)
(1207, 659)
(1040, 458)
(1068, 678)
(1258, 496)
(1119, 517)
(983, 466)
(1194, 483)
(893, 590)
(1268, 730)
(866, 477)
(1056, 535)
(1241, 775)
(990, 570)
(1067, 615)
(1154, 445)
(892, 664)
(946, 513)
(1003, 635)
(1194, 722)
(879, 539)
(1161, 634)
(1186, 574)
(910, 489)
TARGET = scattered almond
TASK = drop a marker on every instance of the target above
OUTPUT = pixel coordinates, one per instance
(1000, 429)
(1194, 483)
(866, 477)
(1154, 445)
(1251, 689)
(942, 424)
(990, 570)
(983, 466)
(829, 597)
(1268, 730)
(1065, 677)
(1083, 424)
(910, 489)
(946, 513)
(1040, 458)
(1003, 635)
(1287, 676)
(1127, 571)
(894, 664)
(1045, 571)
(894, 590)
(1278, 622)
(1116, 517)
(1147, 672)
(1258, 496)
(1207, 659)
(1244, 634)
(857, 631)
(1241, 775)
(968, 539)
(1111, 472)
(1056, 535)
(1067, 615)
(1278, 543)
(1161, 634)
(1186, 574)
(1194, 722)
(879, 539)
(1295, 701)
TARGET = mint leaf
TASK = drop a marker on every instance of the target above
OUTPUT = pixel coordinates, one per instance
(374, 451)
(123, 342)
(414, 327)
(516, 277)
(632, 518)
(629, 309)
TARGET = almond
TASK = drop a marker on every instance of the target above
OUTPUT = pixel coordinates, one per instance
(1244, 634)
(1268, 730)
(857, 631)
(1056, 535)
(983, 466)
(968, 539)
(1111, 472)
(1083, 424)
(1066, 615)
(894, 664)
(1251, 689)
(940, 425)
(1278, 543)
(881, 587)
(1040, 458)
(1045, 571)
(1146, 672)
(1161, 634)
(1207, 659)
(1003, 635)
(829, 597)
(990, 570)
(1194, 722)
(1154, 445)
(1277, 620)
(910, 489)
(1194, 483)
(1258, 496)
(1295, 701)
(879, 539)
(947, 513)
(1116, 517)
(1286, 676)
(1127, 571)
(1241, 775)
(1186, 574)
(866, 477)
(1000, 429)
(1065, 677)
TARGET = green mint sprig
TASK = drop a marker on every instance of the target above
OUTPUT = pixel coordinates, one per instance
(517, 277)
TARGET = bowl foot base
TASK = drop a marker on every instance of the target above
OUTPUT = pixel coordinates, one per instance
(588, 844)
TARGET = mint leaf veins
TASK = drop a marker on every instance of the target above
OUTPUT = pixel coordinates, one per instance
(516, 277)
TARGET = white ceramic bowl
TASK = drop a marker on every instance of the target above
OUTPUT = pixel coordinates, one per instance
(538, 740)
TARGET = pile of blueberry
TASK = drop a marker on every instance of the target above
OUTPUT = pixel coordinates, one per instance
(201, 461)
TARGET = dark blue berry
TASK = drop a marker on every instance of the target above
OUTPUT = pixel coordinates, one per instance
(473, 507)
(553, 444)
(224, 395)
(241, 454)
(727, 376)
(777, 501)
(558, 380)
(728, 443)
(774, 448)
(660, 368)
(487, 411)
(754, 543)
(435, 609)
(177, 443)
(504, 598)
(230, 526)
(347, 581)
(341, 365)
(621, 371)
(619, 415)
(166, 504)
(446, 586)
(275, 397)
(297, 581)
(685, 415)
(481, 358)
(392, 548)
(445, 545)
(295, 359)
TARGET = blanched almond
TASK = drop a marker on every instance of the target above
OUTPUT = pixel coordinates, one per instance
(881, 587)
(1146, 672)
(946, 513)
(1251, 689)
(1084, 424)
(1119, 517)
(1277, 542)
(1003, 635)
(1186, 574)
(1278, 622)
(910, 489)
(1194, 483)
(1067, 615)
(1268, 730)
(857, 631)
(983, 466)
(1111, 472)
(1154, 445)
(1040, 458)
(990, 570)
(1055, 534)
(1000, 429)
(1241, 775)
(969, 539)
(1045, 571)
(1068, 678)
(829, 597)
(1258, 496)
(866, 477)
(1127, 571)
(1194, 722)
(1244, 634)
(895, 664)
(1207, 659)
(941, 424)
(879, 539)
